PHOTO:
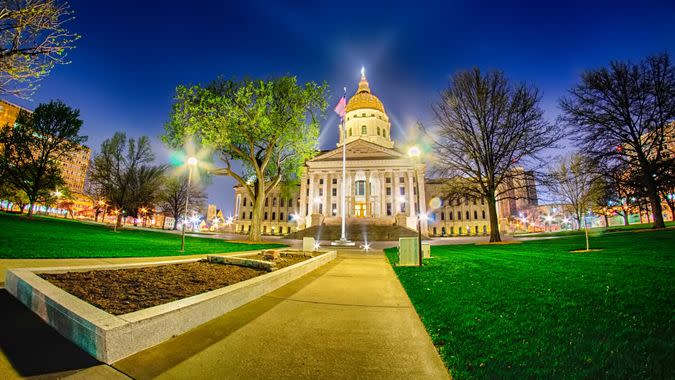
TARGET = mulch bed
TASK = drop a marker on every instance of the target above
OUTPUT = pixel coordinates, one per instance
(122, 291)
(284, 261)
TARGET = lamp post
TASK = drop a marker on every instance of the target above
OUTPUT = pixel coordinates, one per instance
(191, 162)
(414, 152)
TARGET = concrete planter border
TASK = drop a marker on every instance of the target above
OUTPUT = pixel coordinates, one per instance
(110, 338)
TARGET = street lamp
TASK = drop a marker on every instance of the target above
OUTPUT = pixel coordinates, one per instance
(414, 153)
(191, 163)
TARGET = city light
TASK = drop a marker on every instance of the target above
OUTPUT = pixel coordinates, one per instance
(366, 246)
(317, 245)
(414, 151)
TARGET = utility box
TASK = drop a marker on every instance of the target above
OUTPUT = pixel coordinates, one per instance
(426, 250)
(407, 251)
(308, 244)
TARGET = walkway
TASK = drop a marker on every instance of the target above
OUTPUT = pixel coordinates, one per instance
(348, 319)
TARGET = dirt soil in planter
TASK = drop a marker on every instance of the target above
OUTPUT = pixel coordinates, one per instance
(283, 261)
(121, 291)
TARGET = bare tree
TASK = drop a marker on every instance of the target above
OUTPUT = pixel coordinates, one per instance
(487, 128)
(33, 39)
(124, 175)
(619, 115)
(172, 199)
(576, 183)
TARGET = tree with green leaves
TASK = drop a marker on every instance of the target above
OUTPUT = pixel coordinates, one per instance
(486, 129)
(33, 39)
(36, 145)
(124, 175)
(620, 114)
(269, 127)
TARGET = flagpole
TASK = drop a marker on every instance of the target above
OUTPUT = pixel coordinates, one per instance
(344, 174)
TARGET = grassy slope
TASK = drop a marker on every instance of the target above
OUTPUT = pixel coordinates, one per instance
(594, 231)
(536, 310)
(58, 238)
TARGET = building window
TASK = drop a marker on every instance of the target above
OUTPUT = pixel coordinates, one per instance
(459, 215)
(244, 201)
(243, 216)
(334, 209)
(442, 215)
(267, 201)
(484, 229)
(334, 192)
(320, 208)
(474, 201)
(459, 201)
(482, 200)
(452, 230)
(388, 209)
(265, 215)
(274, 216)
(350, 132)
(401, 179)
(274, 201)
(467, 216)
(378, 131)
(281, 202)
(483, 212)
(475, 215)
(360, 187)
(388, 190)
(321, 192)
(387, 180)
(334, 181)
(466, 201)
(476, 229)
(402, 207)
(384, 133)
(443, 231)
(450, 215)
(434, 231)
(364, 129)
(250, 215)
(281, 217)
(320, 181)
(402, 190)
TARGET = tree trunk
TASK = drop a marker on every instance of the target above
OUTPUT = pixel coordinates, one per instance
(175, 223)
(625, 218)
(494, 219)
(655, 202)
(255, 234)
(118, 223)
(606, 221)
(30, 209)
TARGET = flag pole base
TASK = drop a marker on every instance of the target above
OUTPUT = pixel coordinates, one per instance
(342, 243)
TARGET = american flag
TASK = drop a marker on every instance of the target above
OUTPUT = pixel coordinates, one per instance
(341, 107)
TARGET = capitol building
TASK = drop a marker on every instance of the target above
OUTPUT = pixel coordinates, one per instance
(381, 185)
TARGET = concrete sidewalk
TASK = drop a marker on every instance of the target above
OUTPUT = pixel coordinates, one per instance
(348, 319)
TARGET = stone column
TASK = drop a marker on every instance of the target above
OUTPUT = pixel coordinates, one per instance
(369, 206)
(383, 192)
(411, 194)
(395, 192)
(324, 199)
(310, 196)
(303, 197)
(423, 198)
(348, 195)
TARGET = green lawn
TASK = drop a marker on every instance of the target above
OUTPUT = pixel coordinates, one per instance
(535, 310)
(44, 237)
(594, 231)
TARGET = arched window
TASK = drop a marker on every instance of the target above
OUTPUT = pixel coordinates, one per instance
(384, 132)
(378, 131)
(350, 132)
(364, 129)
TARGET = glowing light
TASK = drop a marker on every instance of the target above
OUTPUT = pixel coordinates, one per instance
(317, 245)
(435, 203)
(423, 217)
(363, 72)
(294, 217)
(317, 199)
(548, 218)
(414, 151)
(57, 194)
(366, 246)
(229, 220)
(401, 199)
(192, 161)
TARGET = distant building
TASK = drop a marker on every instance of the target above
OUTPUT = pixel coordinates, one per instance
(211, 212)
(73, 168)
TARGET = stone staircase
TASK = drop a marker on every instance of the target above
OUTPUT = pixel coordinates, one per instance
(355, 232)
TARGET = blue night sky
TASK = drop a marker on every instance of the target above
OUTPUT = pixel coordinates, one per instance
(133, 53)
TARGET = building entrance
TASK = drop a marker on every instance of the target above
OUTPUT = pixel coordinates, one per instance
(360, 210)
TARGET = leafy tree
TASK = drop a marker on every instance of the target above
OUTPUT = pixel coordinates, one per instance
(12, 195)
(619, 116)
(124, 175)
(174, 193)
(575, 181)
(35, 146)
(33, 39)
(269, 127)
(487, 128)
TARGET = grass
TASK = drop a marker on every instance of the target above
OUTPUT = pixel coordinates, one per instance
(593, 231)
(535, 310)
(45, 237)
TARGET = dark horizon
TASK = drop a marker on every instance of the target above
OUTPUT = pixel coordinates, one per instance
(123, 78)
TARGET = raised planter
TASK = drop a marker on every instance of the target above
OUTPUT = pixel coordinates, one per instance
(110, 338)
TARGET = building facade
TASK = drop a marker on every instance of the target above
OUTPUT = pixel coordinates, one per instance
(382, 183)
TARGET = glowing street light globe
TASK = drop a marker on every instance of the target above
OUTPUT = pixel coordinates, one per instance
(414, 151)
(192, 161)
